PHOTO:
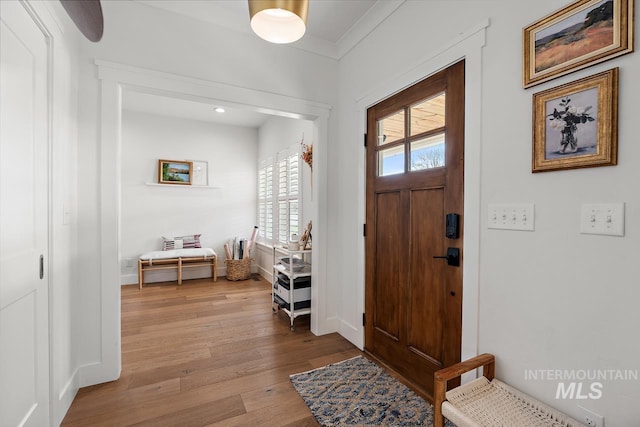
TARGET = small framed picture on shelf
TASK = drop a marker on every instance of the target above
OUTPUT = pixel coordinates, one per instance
(175, 172)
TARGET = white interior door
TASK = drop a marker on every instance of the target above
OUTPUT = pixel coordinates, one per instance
(24, 312)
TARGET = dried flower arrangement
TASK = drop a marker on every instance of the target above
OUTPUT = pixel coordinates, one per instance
(307, 156)
(307, 153)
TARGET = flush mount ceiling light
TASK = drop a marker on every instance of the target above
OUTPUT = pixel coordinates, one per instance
(279, 21)
(220, 110)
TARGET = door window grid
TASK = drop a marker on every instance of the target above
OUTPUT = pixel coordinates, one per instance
(412, 139)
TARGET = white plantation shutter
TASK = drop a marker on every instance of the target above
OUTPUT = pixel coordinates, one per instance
(294, 188)
(283, 222)
(265, 201)
(278, 197)
(268, 227)
(294, 178)
(283, 178)
(269, 182)
(294, 217)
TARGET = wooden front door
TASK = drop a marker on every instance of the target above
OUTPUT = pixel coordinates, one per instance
(415, 165)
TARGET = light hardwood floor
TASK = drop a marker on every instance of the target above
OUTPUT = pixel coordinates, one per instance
(207, 353)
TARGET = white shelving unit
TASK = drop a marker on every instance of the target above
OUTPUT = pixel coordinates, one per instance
(283, 299)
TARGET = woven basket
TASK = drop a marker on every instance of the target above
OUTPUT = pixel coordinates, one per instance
(238, 269)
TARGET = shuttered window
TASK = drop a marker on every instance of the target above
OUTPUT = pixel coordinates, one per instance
(278, 197)
(265, 201)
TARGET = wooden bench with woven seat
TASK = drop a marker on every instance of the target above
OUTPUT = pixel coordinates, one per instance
(178, 259)
(487, 401)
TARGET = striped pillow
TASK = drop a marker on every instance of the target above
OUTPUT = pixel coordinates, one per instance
(182, 242)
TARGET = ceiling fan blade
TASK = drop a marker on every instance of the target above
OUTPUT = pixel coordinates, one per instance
(87, 15)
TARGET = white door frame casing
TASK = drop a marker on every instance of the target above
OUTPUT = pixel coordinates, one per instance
(467, 46)
(114, 79)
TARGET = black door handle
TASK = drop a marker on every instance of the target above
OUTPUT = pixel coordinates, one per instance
(452, 257)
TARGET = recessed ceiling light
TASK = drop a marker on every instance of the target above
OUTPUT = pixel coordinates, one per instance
(219, 110)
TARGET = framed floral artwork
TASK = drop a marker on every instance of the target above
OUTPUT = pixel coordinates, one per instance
(576, 125)
(175, 172)
(582, 34)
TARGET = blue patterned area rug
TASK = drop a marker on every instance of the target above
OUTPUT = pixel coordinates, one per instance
(359, 392)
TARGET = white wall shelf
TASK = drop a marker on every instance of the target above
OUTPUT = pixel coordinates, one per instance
(205, 187)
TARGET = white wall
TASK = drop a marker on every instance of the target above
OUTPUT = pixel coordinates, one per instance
(66, 282)
(551, 299)
(150, 212)
(277, 134)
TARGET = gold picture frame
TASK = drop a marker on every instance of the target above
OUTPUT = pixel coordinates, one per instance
(582, 34)
(576, 125)
(175, 172)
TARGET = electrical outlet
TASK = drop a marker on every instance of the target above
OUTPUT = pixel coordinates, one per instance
(591, 418)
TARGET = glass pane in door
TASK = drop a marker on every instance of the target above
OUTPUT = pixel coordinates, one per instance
(391, 161)
(391, 128)
(428, 153)
(428, 114)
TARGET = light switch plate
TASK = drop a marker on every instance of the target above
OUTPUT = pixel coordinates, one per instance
(510, 216)
(602, 218)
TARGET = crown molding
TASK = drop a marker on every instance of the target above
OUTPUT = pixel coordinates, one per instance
(365, 25)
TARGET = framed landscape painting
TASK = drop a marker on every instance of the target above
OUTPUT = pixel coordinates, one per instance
(576, 125)
(582, 34)
(175, 172)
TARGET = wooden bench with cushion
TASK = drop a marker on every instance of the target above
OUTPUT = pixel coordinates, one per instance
(487, 401)
(177, 259)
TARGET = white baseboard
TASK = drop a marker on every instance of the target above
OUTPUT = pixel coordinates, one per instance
(352, 334)
(129, 279)
(330, 325)
(65, 398)
(267, 274)
(96, 373)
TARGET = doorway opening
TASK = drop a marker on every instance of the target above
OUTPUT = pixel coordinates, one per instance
(116, 78)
